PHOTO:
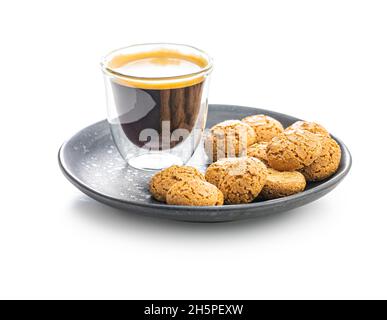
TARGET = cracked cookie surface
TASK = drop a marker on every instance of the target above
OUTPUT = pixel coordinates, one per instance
(194, 193)
(312, 127)
(239, 179)
(218, 169)
(293, 150)
(162, 181)
(258, 150)
(229, 138)
(282, 184)
(265, 127)
(326, 164)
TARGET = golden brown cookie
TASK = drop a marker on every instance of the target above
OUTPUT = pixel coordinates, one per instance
(326, 164)
(282, 184)
(194, 193)
(258, 150)
(309, 126)
(217, 170)
(162, 181)
(265, 127)
(293, 150)
(239, 179)
(228, 139)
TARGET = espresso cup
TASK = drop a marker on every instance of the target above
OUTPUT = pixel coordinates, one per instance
(157, 102)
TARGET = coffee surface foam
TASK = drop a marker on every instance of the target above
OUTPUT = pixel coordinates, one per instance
(160, 69)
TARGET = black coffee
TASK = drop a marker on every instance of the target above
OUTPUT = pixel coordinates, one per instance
(160, 109)
(141, 109)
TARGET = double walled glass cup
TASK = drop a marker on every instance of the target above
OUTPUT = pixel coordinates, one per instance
(157, 102)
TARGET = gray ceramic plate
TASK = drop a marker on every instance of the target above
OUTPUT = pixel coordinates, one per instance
(92, 163)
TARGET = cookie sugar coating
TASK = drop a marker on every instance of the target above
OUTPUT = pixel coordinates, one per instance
(326, 164)
(258, 150)
(194, 193)
(218, 169)
(293, 150)
(309, 126)
(282, 184)
(265, 127)
(239, 179)
(162, 181)
(228, 139)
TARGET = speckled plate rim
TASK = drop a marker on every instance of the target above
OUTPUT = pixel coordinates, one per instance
(330, 182)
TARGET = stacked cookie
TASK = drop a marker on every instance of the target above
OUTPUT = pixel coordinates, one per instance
(255, 158)
(184, 185)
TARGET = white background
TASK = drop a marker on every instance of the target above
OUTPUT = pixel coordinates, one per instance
(319, 60)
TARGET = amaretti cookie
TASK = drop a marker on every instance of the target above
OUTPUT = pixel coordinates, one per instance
(162, 181)
(218, 169)
(326, 164)
(239, 179)
(265, 127)
(312, 127)
(194, 193)
(293, 150)
(228, 139)
(258, 150)
(282, 184)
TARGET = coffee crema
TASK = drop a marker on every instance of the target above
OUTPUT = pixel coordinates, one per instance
(161, 69)
(159, 90)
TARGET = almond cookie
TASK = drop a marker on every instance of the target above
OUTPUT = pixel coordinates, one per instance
(194, 193)
(162, 181)
(282, 184)
(326, 164)
(239, 179)
(217, 170)
(258, 150)
(265, 127)
(293, 149)
(309, 126)
(228, 139)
